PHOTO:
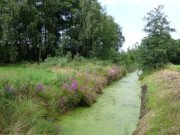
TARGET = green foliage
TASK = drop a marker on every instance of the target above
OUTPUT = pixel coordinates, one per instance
(33, 31)
(13, 54)
(176, 59)
(111, 37)
(129, 58)
(53, 61)
(76, 57)
(158, 47)
(69, 56)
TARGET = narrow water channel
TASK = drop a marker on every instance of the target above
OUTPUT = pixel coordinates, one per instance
(115, 113)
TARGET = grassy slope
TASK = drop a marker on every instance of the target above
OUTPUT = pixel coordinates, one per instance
(32, 96)
(164, 102)
(175, 68)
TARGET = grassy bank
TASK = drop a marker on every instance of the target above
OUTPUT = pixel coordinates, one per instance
(174, 68)
(162, 105)
(32, 96)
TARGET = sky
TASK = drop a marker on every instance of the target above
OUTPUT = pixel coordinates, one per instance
(129, 15)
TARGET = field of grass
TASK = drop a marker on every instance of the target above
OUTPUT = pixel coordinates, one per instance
(32, 96)
(163, 96)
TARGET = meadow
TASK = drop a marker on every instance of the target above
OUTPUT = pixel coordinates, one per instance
(33, 96)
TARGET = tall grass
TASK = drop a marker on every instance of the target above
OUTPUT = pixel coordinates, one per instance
(33, 96)
(163, 99)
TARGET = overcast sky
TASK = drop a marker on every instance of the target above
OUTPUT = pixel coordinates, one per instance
(129, 15)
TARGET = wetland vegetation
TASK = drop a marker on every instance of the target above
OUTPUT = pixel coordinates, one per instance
(60, 68)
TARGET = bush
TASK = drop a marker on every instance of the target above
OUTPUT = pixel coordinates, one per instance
(81, 59)
(53, 61)
(69, 56)
(76, 57)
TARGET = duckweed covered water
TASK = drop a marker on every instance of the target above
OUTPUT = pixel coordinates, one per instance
(115, 113)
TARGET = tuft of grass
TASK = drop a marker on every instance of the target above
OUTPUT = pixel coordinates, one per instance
(23, 115)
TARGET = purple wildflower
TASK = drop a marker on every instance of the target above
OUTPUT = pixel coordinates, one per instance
(70, 90)
(115, 68)
(7, 87)
(65, 85)
(83, 88)
(40, 86)
(63, 99)
(59, 128)
(111, 74)
(12, 90)
(86, 70)
(72, 78)
(74, 85)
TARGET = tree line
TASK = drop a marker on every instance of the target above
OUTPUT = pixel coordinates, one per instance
(32, 30)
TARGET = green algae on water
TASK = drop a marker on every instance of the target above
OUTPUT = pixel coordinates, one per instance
(115, 113)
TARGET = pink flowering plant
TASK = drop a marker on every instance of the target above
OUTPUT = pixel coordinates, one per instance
(64, 92)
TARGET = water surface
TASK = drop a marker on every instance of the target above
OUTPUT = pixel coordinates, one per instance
(115, 113)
